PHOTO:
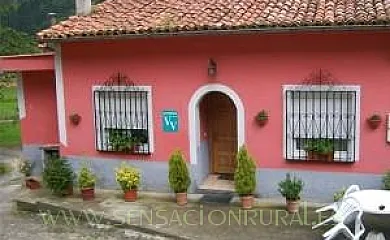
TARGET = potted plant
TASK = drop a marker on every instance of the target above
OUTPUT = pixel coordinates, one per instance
(320, 149)
(291, 188)
(374, 121)
(75, 119)
(262, 117)
(386, 180)
(25, 168)
(179, 177)
(122, 142)
(245, 177)
(86, 181)
(58, 176)
(129, 179)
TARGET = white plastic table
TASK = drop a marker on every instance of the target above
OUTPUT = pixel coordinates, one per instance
(373, 201)
(376, 210)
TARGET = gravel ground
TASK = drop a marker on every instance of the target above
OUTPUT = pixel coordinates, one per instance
(16, 225)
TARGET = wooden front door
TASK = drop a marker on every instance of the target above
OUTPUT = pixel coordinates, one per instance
(222, 130)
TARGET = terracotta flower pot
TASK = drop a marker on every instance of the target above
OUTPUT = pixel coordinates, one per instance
(88, 194)
(314, 156)
(131, 195)
(181, 199)
(32, 184)
(247, 201)
(374, 123)
(292, 206)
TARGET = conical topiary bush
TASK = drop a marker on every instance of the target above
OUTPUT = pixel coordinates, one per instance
(179, 177)
(245, 177)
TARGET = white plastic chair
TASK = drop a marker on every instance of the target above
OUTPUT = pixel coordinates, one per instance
(348, 211)
(334, 206)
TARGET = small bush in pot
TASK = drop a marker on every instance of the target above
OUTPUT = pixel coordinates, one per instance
(58, 176)
(245, 177)
(320, 149)
(291, 189)
(179, 177)
(374, 121)
(386, 180)
(25, 168)
(129, 179)
(86, 182)
(262, 117)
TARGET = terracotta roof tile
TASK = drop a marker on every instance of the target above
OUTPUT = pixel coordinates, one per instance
(118, 17)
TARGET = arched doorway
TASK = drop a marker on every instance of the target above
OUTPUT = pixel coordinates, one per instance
(218, 126)
(199, 148)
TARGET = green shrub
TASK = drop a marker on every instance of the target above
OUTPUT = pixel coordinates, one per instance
(179, 177)
(86, 178)
(58, 175)
(25, 167)
(386, 181)
(322, 146)
(245, 174)
(4, 168)
(291, 188)
(338, 195)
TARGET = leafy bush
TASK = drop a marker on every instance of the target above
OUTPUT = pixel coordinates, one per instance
(25, 167)
(127, 177)
(322, 146)
(386, 181)
(120, 141)
(58, 175)
(337, 196)
(245, 174)
(179, 178)
(86, 178)
(291, 188)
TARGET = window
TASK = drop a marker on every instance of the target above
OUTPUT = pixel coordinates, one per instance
(321, 122)
(123, 119)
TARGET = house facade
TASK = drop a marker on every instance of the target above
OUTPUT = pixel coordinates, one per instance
(162, 77)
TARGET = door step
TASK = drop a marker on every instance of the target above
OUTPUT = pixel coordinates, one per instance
(213, 183)
(221, 198)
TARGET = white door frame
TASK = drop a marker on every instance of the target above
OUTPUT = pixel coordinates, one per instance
(194, 119)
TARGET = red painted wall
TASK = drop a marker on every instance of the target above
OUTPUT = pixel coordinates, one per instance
(40, 124)
(255, 66)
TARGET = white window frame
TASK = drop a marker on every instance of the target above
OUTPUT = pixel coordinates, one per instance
(323, 88)
(147, 89)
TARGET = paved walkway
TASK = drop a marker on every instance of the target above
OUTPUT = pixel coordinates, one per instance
(158, 213)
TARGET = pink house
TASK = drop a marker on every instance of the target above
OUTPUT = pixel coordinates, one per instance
(135, 80)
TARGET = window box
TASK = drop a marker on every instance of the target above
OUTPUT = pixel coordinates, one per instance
(315, 156)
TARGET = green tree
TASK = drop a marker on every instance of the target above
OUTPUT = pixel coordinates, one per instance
(14, 42)
(245, 174)
(179, 177)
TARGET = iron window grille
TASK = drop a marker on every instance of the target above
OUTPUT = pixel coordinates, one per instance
(123, 118)
(322, 114)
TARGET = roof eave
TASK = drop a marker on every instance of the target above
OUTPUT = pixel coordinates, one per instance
(265, 30)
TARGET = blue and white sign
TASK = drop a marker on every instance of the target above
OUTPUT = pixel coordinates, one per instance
(170, 120)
